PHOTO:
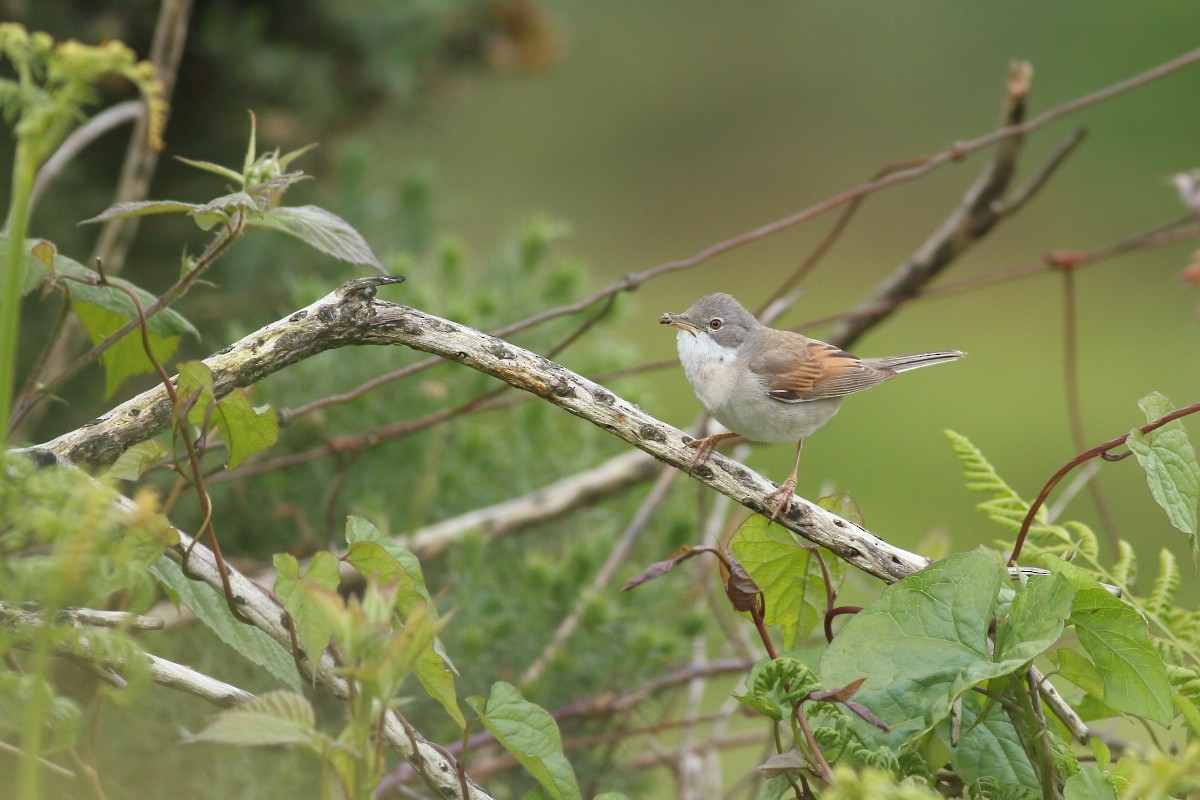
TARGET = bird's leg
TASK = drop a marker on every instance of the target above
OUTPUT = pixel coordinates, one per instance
(705, 446)
(788, 487)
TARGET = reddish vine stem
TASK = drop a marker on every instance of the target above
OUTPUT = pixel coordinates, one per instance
(1099, 451)
(193, 451)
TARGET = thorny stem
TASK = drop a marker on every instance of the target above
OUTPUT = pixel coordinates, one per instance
(193, 450)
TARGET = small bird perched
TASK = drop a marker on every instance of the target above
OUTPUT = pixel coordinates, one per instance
(768, 385)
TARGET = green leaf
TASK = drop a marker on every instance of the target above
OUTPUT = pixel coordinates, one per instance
(275, 718)
(137, 460)
(1169, 460)
(433, 669)
(1075, 667)
(1036, 619)
(103, 309)
(321, 229)
(988, 748)
(246, 430)
(314, 629)
(924, 642)
(1089, 784)
(530, 734)
(789, 576)
(216, 169)
(141, 208)
(127, 357)
(211, 609)
(1118, 641)
(371, 559)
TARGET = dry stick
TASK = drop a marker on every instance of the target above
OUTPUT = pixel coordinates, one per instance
(352, 315)
(1176, 230)
(977, 213)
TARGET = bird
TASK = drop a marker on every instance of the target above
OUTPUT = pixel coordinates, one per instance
(771, 386)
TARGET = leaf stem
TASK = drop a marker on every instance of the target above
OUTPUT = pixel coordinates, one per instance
(24, 170)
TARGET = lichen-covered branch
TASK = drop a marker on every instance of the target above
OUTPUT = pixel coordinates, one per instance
(353, 315)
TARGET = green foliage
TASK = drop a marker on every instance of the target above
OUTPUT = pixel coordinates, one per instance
(65, 545)
(789, 574)
(263, 180)
(1169, 460)
(531, 736)
(245, 430)
(53, 84)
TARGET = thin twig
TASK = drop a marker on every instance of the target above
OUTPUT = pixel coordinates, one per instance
(1075, 404)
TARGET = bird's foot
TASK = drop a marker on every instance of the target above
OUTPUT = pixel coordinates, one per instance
(784, 493)
(704, 448)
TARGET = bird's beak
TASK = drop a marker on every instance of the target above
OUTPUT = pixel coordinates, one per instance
(680, 321)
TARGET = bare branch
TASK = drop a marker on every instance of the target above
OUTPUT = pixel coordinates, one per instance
(163, 672)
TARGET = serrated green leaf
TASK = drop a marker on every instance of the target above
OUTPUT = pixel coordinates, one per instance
(137, 460)
(923, 643)
(1169, 460)
(789, 576)
(321, 229)
(275, 718)
(1117, 640)
(141, 208)
(211, 609)
(127, 357)
(227, 205)
(314, 628)
(530, 734)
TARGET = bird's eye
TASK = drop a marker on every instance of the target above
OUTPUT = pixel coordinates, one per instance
(715, 324)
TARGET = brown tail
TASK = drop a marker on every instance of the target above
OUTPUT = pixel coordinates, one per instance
(901, 363)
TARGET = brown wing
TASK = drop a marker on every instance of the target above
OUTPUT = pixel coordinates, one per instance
(812, 370)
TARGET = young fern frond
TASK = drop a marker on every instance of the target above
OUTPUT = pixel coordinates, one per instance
(1008, 509)
(1166, 585)
(1125, 567)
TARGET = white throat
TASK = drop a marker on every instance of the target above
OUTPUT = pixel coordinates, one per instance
(708, 366)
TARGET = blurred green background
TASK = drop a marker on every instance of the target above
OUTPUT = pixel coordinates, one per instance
(669, 126)
(651, 131)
